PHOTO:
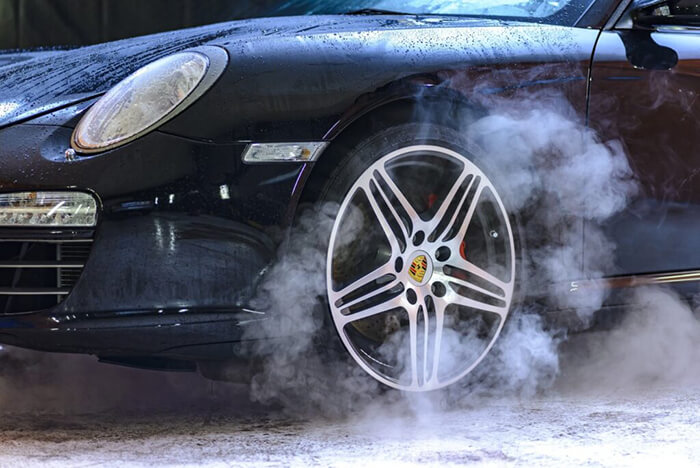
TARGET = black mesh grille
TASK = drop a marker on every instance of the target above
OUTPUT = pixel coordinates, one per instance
(38, 269)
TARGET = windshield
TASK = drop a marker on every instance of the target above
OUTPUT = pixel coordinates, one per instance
(565, 12)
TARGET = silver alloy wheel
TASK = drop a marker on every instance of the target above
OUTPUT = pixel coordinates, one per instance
(423, 279)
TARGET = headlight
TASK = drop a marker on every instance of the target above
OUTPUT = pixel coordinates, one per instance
(148, 98)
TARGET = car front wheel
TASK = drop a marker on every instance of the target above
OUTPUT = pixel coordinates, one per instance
(421, 262)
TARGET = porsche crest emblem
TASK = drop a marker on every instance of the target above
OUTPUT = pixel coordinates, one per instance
(418, 268)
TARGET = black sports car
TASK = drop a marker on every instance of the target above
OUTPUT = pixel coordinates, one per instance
(146, 185)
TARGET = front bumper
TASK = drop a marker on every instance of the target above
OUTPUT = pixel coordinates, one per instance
(152, 284)
(185, 234)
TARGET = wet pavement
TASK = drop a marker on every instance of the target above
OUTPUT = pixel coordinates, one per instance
(629, 397)
(561, 429)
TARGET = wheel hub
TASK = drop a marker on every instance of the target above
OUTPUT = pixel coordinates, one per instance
(420, 270)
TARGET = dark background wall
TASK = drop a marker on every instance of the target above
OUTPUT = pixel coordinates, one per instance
(39, 23)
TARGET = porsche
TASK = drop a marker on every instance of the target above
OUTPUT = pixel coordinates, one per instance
(147, 184)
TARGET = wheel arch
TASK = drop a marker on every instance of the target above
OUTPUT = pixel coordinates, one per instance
(417, 101)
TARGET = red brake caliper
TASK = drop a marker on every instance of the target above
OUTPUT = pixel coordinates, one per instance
(432, 198)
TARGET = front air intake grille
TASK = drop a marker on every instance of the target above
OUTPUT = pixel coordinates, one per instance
(38, 270)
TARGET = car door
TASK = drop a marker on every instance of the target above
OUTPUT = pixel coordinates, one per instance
(645, 91)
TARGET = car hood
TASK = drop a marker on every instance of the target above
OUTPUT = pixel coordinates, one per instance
(33, 83)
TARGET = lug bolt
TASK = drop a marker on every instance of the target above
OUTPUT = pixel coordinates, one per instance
(443, 254)
(411, 296)
(438, 289)
(418, 238)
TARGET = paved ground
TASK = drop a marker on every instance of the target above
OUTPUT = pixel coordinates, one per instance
(107, 415)
(630, 397)
(559, 430)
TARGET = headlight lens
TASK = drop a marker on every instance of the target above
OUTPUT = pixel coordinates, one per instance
(141, 102)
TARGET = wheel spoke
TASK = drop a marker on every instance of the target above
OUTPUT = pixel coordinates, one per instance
(453, 297)
(426, 341)
(360, 283)
(413, 338)
(438, 220)
(383, 221)
(482, 274)
(485, 278)
(393, 303)
(398, 194)
(404, 229)
(439, 324)
(462, 232)
(374, 294)
(470, 285)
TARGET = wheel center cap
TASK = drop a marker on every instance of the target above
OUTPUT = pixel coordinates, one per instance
(420, 270)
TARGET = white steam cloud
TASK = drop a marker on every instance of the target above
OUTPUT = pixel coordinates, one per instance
(555, 173)
(304, 370)
(657, 346)
(559, 175)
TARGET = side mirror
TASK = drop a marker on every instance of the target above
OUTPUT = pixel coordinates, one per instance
(649, 14)
(636, 28)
